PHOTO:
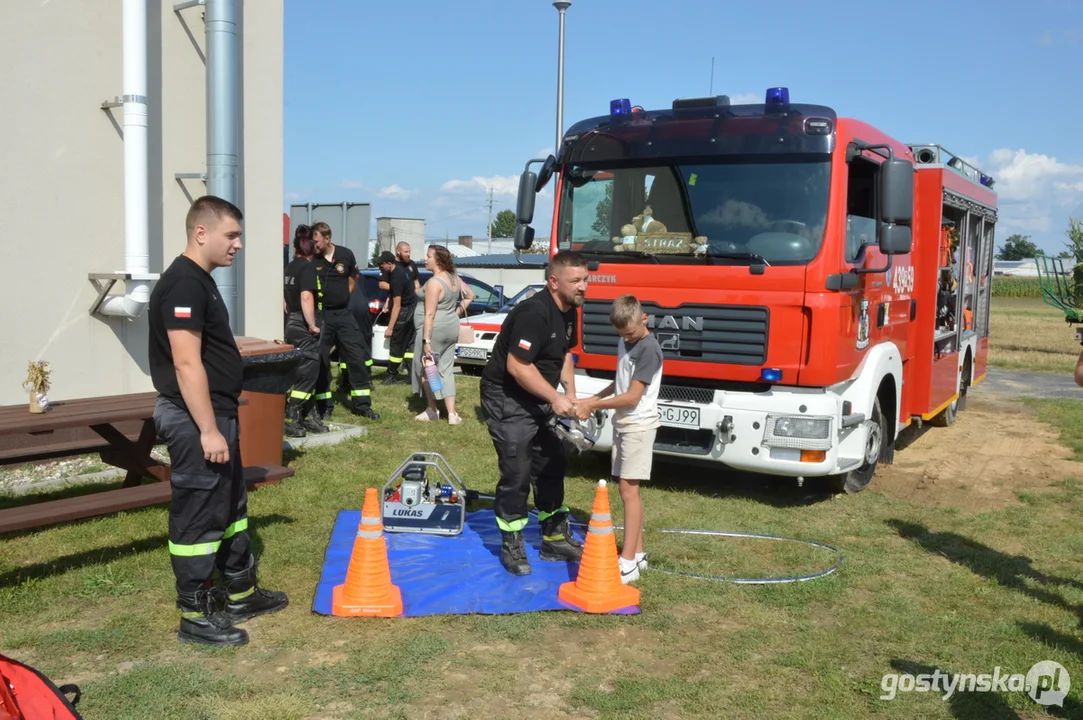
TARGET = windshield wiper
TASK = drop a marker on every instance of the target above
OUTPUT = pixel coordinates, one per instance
(622, 253)
(740, 256)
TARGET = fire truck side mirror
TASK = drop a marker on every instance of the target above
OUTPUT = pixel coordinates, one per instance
(896, 191)
(524, 237)
(524, 209)
(895, 239)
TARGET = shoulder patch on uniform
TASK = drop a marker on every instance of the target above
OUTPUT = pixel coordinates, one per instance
(524, 344)
(182, 312)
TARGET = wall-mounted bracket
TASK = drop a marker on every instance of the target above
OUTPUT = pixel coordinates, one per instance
(181, 177)
(104, 282)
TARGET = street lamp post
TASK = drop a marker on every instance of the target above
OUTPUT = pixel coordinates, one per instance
(561, 6)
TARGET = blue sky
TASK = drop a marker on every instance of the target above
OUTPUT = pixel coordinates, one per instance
(420, 106)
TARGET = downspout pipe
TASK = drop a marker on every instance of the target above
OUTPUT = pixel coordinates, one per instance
(222, 19)
(136, 167)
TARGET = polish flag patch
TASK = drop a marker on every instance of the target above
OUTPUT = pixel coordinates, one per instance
(182, 312)
(524, 344)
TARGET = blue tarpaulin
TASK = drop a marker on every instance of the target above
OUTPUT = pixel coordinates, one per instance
(454, 575)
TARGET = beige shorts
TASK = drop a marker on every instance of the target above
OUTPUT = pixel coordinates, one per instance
(632, 454)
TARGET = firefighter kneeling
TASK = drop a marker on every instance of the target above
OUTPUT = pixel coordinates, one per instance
(518, 397)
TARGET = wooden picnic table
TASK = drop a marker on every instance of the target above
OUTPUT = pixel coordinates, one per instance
(120, 428)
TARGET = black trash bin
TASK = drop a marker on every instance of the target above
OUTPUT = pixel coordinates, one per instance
(269, 370)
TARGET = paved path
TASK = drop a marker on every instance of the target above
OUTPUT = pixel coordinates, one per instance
(1017, 383)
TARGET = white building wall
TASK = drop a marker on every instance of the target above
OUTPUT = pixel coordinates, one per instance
(64, 182)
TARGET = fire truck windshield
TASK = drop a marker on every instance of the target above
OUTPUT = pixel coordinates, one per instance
(744, 212)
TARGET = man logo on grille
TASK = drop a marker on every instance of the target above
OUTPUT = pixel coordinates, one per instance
(669, 341)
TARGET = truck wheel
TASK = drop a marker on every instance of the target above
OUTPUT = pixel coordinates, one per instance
(857, 480)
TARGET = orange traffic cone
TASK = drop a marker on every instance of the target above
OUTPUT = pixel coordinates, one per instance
(597, 588)
(368, 589)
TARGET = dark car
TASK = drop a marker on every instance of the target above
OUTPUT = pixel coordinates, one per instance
(487, 299)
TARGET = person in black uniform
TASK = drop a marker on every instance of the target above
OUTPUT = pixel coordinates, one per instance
(400, 327)
(198, 372)
(336, 268)
(300, 287)
(402, 255)
(518, 397)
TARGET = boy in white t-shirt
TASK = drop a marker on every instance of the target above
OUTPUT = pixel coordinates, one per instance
(635, 420)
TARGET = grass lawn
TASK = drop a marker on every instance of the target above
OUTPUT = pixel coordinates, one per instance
(964, 589)
(1027, 334)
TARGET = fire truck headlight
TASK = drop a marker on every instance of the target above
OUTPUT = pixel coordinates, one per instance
(804, 428)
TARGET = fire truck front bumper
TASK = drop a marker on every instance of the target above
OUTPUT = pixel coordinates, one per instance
(785, 431)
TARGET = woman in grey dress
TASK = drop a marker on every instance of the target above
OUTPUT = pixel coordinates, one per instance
(436, 318)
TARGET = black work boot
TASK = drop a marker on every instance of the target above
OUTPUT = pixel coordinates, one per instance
(313, 424)
(557, 540)
(201, 621)
(323, 411)
(293, 427)
(513, 553)
(246, 599)
(365, 411)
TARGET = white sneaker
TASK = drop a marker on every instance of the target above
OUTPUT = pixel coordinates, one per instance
(454, 419)
(641, 560)
(629, 570)
(428, 415)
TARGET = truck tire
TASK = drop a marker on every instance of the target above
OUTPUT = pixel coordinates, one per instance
(858, 479)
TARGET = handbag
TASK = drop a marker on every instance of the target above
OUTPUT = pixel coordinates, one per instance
(466, 330)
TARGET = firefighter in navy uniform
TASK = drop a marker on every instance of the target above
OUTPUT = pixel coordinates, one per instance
(400, 326)
(300, 288)
(198, 372)
(336, 268)
(518, 397)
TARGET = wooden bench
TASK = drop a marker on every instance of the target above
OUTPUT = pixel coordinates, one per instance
(121, 430)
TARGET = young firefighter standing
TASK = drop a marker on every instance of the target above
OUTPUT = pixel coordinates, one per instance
(518, 395)
(336, 268)
(300, 287)
(198, 372)
(635, 420)
(400, 327)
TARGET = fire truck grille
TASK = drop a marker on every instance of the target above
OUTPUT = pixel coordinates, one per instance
(735, 334)
(677, 393)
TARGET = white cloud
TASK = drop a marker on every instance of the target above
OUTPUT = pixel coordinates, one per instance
(395, 192)
(500, 184)
(352, 185)
(1036, 192)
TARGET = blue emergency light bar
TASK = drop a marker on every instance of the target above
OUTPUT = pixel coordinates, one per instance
(771, 374)
(778, 96)
(623, 106)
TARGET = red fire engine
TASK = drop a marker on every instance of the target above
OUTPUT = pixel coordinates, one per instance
(816, 285)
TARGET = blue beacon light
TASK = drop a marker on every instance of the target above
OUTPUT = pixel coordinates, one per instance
(623, 106)
(771, 374)
(778, 96)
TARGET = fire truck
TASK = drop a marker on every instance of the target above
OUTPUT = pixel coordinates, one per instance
(816, 285)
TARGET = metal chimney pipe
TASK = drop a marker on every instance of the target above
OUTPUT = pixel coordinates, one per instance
(223, 124)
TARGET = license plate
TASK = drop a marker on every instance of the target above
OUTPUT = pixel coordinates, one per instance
(679, 416)
(469, 352)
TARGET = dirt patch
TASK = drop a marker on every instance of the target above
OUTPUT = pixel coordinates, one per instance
(995, 449)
